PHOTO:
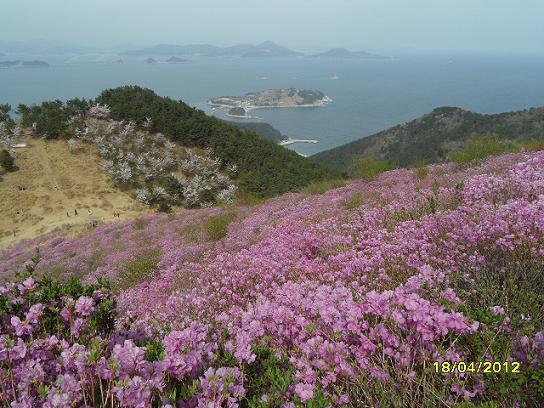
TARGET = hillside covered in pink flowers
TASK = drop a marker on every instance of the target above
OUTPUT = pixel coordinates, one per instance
(346, 298)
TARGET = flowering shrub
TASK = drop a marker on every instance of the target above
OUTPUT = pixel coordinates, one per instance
(136, 158)
(333, 299)
(58, 348)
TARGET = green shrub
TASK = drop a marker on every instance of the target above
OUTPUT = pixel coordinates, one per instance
(320, 187)
(206, 196)
(138, 270)
(7, 161)
(480, 147)
(171, 185)
(51, 118)
(217, 227)
(4, 116)
(421, 169)
(355, 201)
(534, 145)
(164, 207)
(249, 199)
(370, 167)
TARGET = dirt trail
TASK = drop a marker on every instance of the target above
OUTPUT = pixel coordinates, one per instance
(50, 185)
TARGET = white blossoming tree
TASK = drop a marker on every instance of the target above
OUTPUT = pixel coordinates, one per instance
(99, 111)
(134, 157)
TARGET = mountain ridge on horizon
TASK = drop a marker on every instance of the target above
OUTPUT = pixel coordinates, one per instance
(261, 50)
(266, 48)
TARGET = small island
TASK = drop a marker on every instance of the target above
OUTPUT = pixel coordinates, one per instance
(175, 60)
(342, 53)
(23, 64)
(272, 98)
(240, 113)
(151, 61)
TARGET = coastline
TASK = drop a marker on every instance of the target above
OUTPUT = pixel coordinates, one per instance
(324, 102)
(243, 117)
(289, 141)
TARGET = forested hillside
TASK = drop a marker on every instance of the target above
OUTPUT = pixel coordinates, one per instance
(265, 168)
(434, 136)
(264, 130)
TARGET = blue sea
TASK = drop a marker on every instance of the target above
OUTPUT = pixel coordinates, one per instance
(368, 96)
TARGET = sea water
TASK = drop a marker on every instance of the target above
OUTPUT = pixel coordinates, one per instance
(368, 95)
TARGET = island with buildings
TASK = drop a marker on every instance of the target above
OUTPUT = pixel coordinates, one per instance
(272, 98)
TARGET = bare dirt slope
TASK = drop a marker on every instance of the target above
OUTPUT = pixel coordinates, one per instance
(50, 185)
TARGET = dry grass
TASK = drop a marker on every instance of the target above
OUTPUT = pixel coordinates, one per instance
(56, 182)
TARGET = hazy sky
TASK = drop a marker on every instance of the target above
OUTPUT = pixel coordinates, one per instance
(473, 25)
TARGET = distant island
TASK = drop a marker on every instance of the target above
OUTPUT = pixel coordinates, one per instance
(269, 49)
(264, 50)
(239, 112)
(272, 98)
(342, 53)
(175, 60)
(151, 61)
(23, 64)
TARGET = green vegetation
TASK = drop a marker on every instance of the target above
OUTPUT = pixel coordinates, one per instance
(421, 169)
(138, 270)
(50, 119)
(249, 199)
(265, 168)
(319, 187)
(7, 162)
(478, 148)
(263, 130)
(164, 207)
(217, 227)
(433, 137)
(370, 167)
(534, 145)
(4, 116)
(355, 201)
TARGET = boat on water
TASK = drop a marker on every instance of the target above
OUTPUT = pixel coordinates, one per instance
(334, 77)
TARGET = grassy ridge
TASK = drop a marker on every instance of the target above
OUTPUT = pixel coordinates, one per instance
(433, 137)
